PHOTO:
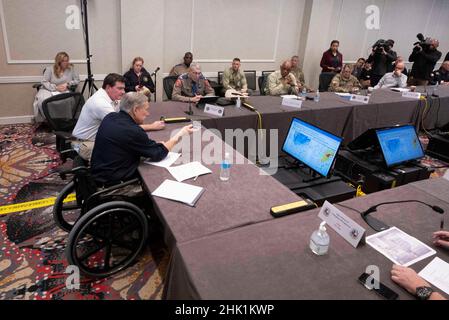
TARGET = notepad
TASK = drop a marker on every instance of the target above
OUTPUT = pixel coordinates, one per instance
(187, 171)
(178, 191)
(437, 273)
(167, 162)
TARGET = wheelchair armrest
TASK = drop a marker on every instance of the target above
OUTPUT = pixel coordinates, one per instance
(115, 187)
(62, 174)
(63, 134)
(37, 85)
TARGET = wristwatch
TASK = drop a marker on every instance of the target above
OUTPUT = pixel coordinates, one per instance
(423, 293)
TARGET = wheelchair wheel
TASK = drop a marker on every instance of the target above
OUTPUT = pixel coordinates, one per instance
(107, 239)
(66, 214)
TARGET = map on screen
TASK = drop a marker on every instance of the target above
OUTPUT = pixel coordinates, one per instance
(312, 146)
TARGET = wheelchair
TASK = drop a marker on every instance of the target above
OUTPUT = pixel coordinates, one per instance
(107, 231)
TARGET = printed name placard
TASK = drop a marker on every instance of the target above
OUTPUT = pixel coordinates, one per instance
(412, 95)
(293, 103)
(214, 110)
(359, 98)
(342, 224)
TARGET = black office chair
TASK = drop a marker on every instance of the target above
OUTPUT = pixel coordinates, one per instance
(220, 77)
(251, 79)
(62, 112)
(169, 83)
(262, 81)
(106, 231)
(325, 80)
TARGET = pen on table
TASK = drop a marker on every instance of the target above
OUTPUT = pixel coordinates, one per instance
(195, 178)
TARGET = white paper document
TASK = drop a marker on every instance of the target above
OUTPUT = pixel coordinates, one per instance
(179, 191)
(437, 273)
(187, 171)
(167, 162)
(399, 247)
(343, 94)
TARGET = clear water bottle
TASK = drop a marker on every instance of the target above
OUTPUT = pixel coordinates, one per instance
(317, 96)
(238, 103)
(319, 241)
(225, 171)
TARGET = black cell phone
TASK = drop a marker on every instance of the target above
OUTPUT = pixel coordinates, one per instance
(383, 290)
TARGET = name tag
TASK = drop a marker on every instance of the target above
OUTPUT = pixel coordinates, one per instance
(412, 95)
(293, 103)
(342, 224)
(214, 110)
(359, 98)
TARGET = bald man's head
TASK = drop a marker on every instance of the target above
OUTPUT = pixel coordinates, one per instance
(286, 66)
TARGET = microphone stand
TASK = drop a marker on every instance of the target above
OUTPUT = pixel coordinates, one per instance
(155, 83)
(89, 82)
(190, 112)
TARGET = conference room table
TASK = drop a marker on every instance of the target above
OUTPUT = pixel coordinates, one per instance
(244, 202)
(245, 199)
(332, 113)
(272, 259)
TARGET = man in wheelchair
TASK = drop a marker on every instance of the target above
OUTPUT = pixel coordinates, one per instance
(107, 227)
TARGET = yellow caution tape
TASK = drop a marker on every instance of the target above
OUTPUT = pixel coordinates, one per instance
(18, 207)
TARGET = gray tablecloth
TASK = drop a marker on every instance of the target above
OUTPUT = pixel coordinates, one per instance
(272, 260)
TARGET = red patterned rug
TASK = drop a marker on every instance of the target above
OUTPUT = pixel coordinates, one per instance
(32, 248)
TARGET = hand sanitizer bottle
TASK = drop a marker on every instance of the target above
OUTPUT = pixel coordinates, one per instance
(238, 103)
(319, 241)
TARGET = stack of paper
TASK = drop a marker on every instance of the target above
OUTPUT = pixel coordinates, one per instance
(437, 273)
(167, 162)
(179, 191)
(187, 171)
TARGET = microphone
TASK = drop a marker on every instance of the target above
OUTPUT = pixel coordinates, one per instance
(248, 106)
(379, 225)
(155, 71)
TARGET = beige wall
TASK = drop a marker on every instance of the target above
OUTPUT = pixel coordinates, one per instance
(261, 32)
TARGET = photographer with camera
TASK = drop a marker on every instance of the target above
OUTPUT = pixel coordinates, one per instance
(381, 58)
(424, 57)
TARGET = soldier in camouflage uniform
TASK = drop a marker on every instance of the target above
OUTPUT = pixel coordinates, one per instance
(192, 86)
(182, 67)
(234, 78)
(297, 72)
(345, 82)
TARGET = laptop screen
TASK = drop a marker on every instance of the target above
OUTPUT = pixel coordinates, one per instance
(312, 146)
(399, 145)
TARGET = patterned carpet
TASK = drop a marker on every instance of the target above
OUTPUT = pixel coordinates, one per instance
(32, 257)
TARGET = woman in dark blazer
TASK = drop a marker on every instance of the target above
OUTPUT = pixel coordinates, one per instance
(332, 60)
(138, 79)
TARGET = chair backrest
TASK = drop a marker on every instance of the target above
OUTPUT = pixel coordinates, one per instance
(251, 79)
(220, 77)
(84, 182)
(62, 111)
(169, 83)
(325, 80)
(262, 81)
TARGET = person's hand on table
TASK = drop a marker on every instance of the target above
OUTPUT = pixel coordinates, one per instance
(441, 239)
(158, 125)
(407, 278)
(195, 99)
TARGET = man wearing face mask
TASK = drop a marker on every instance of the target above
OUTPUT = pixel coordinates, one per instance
(182, 67)
(345, 82)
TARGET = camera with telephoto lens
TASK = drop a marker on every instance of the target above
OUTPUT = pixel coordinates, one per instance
(424, 43)
(381, 43)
